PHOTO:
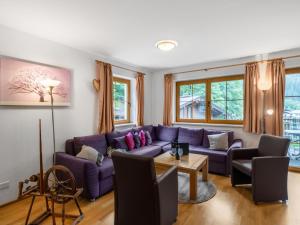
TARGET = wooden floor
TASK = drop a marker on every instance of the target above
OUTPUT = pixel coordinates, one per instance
(230, 206)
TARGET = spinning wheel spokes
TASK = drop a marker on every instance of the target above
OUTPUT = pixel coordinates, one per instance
(59, 181)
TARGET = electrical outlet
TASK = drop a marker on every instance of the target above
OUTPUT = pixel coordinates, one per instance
(4, 185)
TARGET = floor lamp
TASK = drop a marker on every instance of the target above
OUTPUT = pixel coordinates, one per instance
(264, 84)
(51, 84)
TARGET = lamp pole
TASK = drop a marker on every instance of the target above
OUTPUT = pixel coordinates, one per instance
(264, 112)
(53, 126)
(51, 84)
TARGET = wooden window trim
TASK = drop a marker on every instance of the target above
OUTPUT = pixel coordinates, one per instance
(208, 82)
(127, 82)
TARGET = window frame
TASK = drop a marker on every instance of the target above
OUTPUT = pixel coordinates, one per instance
(208, 83)
(127, 82)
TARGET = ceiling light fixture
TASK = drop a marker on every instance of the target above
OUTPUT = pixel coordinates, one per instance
(166, 45)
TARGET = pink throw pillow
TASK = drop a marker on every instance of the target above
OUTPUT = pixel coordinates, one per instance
(129, 140)
(142, 138)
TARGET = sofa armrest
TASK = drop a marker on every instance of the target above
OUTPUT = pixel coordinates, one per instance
(84, 171)
(168, 196)
(269, 177)
(237, 143)
(244, 153)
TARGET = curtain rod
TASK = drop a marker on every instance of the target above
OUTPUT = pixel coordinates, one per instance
(233, 65)
(135, 71)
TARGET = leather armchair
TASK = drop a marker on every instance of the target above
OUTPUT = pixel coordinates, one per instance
(265, 167)
(140, 196)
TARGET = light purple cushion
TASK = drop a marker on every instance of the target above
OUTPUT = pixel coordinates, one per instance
(210, 132)
(110, 136)
(191, 136)
(167, 133)
(120, 142)
(97, 142)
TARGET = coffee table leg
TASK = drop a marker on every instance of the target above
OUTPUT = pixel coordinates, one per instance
(205, 171)
(193, 185)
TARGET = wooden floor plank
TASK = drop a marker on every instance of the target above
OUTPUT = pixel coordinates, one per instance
(230, 206)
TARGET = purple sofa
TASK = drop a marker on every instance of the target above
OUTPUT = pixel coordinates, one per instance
(98, 180)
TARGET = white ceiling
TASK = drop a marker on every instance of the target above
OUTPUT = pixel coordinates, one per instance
(126, 30)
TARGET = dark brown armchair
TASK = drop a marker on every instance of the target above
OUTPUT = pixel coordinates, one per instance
(141, 197)
(265, 167)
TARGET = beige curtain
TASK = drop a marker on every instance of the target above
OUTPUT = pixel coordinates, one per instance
(140, 98)
(105, 96)
(168, 97)
(253, 99)
(274, 99)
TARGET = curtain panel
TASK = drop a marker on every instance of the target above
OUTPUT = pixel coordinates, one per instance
(140, 98)
(105, 97)
(255, 108)
(168, 98)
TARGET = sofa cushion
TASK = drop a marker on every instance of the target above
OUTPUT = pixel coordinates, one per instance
(218, 141)
(89, 153)
(244, 166)
(210, 132)
(149, 150)
(106, 169)
(214, 155)
(167, 133)
(97, 142)
(136, 138)
(148, 138)
(120, 143)
(166, 148)
(142, 138)
(160, 143)
(110, 136)
(191, 136)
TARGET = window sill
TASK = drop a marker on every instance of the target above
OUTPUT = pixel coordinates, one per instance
(209, 124)
(125, 125)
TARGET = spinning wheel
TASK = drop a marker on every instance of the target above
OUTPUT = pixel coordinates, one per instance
(59, 183)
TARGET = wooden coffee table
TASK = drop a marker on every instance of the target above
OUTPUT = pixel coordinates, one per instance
(190, 164)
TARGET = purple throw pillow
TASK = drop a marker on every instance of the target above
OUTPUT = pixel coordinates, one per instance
(129, 140)
(191, 136)
(120, 143)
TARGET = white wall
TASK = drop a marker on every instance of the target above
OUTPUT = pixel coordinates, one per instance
(250, 140)
(19, 125)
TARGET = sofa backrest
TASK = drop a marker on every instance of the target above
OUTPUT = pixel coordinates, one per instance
(97, 142)
(191, 136)
(115, 134)
(210, 132)
(150, 128)
(165, 133)
(69, 147)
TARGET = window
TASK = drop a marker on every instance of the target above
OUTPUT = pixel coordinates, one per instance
(216, 100)
(291, 115)
(121, 100)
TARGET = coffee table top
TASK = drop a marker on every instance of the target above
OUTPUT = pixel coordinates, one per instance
(187, 162)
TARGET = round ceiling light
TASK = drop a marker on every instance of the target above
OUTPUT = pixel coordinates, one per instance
(166, 45)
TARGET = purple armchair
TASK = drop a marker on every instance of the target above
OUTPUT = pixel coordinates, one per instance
(265, 167)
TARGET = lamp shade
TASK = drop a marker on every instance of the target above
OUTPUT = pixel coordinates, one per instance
(264, 81)
(50, 83)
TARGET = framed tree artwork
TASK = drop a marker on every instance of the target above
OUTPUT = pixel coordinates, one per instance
(21, 83)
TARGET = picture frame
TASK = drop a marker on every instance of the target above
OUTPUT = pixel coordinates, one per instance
(21, 83)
